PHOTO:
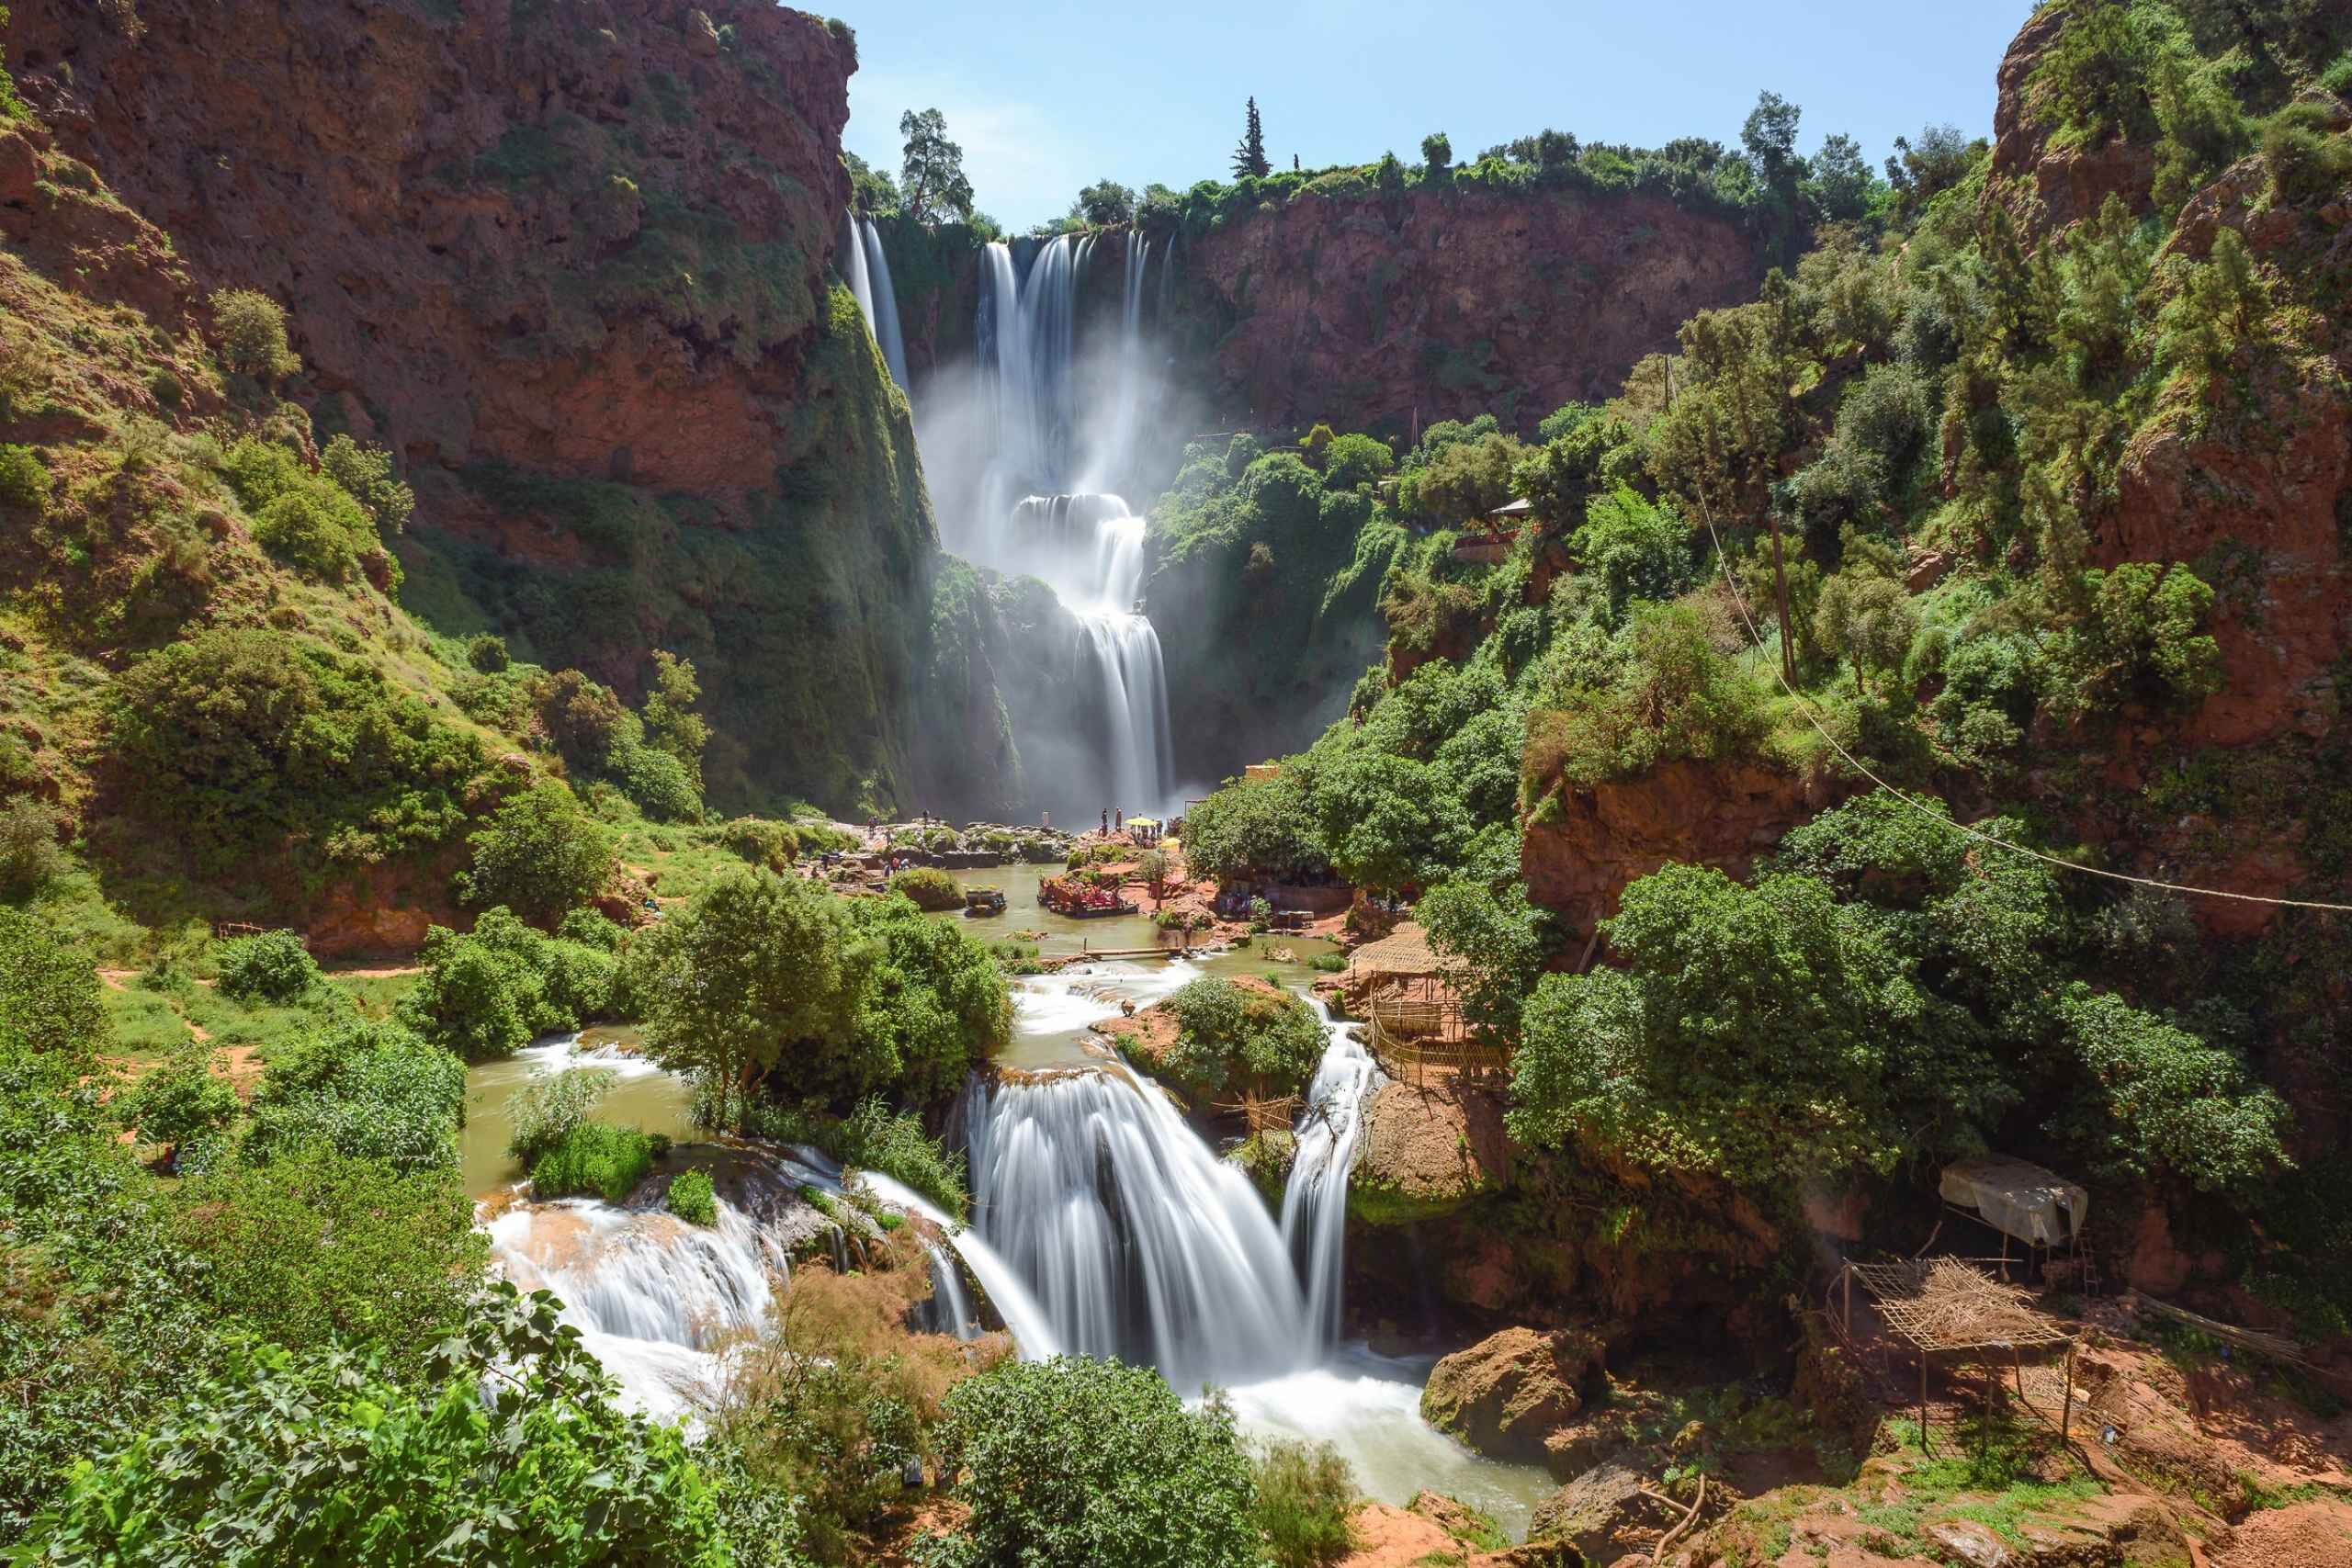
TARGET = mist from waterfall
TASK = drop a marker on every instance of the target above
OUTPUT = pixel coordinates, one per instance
(867, 270)
(1024, 456)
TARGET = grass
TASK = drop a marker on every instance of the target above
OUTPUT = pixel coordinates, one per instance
(595, 1159)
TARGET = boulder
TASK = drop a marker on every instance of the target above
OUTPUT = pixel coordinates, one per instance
(1592, 1512)
(1427, 1150)
(1505, 1395)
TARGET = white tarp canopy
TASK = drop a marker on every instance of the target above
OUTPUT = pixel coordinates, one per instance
(2022, 1199)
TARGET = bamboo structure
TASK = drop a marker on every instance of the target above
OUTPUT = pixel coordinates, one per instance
(1944, 1306)
(1262, 1115)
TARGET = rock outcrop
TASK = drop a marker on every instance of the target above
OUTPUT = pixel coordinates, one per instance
(1505, 1395)
(1375, 314)
(1425, 1151)
(574, 274)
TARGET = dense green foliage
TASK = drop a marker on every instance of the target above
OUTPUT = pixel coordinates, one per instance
(275, 966)
(690, 1198)
(1230, 1036)
(244, 744)
(593, 1159)
(275, 1458)
(931, 890)
(872, 1138)
(836, 997)
(366, 1090)
(1071, 1463)
(541, 855)
(1302, 1495)
(491, 990)
(1252, 829)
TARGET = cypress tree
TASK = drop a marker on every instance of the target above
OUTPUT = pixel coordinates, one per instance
(1249, 158)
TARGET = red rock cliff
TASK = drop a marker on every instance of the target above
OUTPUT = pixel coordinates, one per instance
(1447, 305)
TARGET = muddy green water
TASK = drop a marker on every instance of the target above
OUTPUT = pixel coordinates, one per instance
(637, 1094)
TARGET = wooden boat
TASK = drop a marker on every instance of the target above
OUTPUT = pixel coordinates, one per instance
(983, 901)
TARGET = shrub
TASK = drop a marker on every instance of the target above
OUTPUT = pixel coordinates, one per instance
(496, 988)
(365, 473)
(48, 989)
(181, 1102)
(486, 652)
(1315, 444)
(333, 1458)
(366, 1090)
(275, 966)
(253, 335)
(1072, 1463)
(24, 479)
(1354, 461)
(304, 531)
(1258, 827)
(593, 1159)
(1303, 1493)
(930, 887)
(1227, 1031)
(29, 858)
(548, 1109)
(541, 855)
(692, 1199)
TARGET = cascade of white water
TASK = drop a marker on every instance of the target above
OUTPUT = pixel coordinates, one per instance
(1315, 1203)
(1136, 1240)
(882, 308)
(850, 262)
(1087, 548)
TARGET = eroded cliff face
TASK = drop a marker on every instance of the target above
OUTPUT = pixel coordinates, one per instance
(569, 262)
(1392, 315)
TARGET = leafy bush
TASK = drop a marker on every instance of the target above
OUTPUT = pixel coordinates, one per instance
(930, 887)
(486, 652)
(183, 1102)
(593, 1159)
(547, 1110)
(251, 327)
(29, 858)
(366, 1090)
(239, 743)
(365, 473)
(1256, 828)
(1071, 1463)
(692, 1199)
(1352, 460)
(1302, 1494)
(301, 530)
(337, 1458)
(275, 967)
(541, 854)
(2161, 1100)
(495, 988)
(311, 1248)
(873, 1137)
(24, 479)
(1227, 1032)
(49, 990)
(1675, 698)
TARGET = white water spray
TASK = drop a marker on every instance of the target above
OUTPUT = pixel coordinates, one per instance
(867, 270)
(1315, 1203)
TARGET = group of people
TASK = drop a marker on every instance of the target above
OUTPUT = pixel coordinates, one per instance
(1146, 830)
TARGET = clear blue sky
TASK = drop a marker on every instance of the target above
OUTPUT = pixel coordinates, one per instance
(1047, 96)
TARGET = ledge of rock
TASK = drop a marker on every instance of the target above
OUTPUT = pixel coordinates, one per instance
(1426, 1152)
(1508, 1394)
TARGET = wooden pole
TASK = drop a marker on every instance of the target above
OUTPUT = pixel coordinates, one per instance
(1850, 1300)
(1924, 1447)
(2066, 1404)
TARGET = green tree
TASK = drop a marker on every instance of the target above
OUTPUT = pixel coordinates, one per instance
(1249, 157)
(1229, 1034)
(1839, 184)
(935, 187)
(181, 1103)
(1104, 202)
(1748, 1035)
(1070, 1462)
(273, 967)
(29, 858)
(366, 1090)
(252, 328)
(541, 854)
(761, 974)
(1354, 461)
(873, 192)
(2159, 1102)
(365, 475)
(1500, 939)
(1252, 828)
(672, 722)
(1864, 613)
(1437, 152)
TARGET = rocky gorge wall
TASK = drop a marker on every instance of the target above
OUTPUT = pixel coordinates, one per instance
(570, 263)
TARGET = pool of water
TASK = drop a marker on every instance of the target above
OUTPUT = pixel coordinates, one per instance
(1052, 1012)
(639, 1094)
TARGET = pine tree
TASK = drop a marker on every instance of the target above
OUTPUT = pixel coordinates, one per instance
(1249, 158)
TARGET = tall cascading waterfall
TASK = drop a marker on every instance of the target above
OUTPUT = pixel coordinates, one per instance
(1110, 741)
(867, 270)
(1137, 1241)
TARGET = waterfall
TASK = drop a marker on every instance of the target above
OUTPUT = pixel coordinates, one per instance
(867, 270)
(1107, 742)
(1315, 1203)
(883, 311)
(1136, 1240)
